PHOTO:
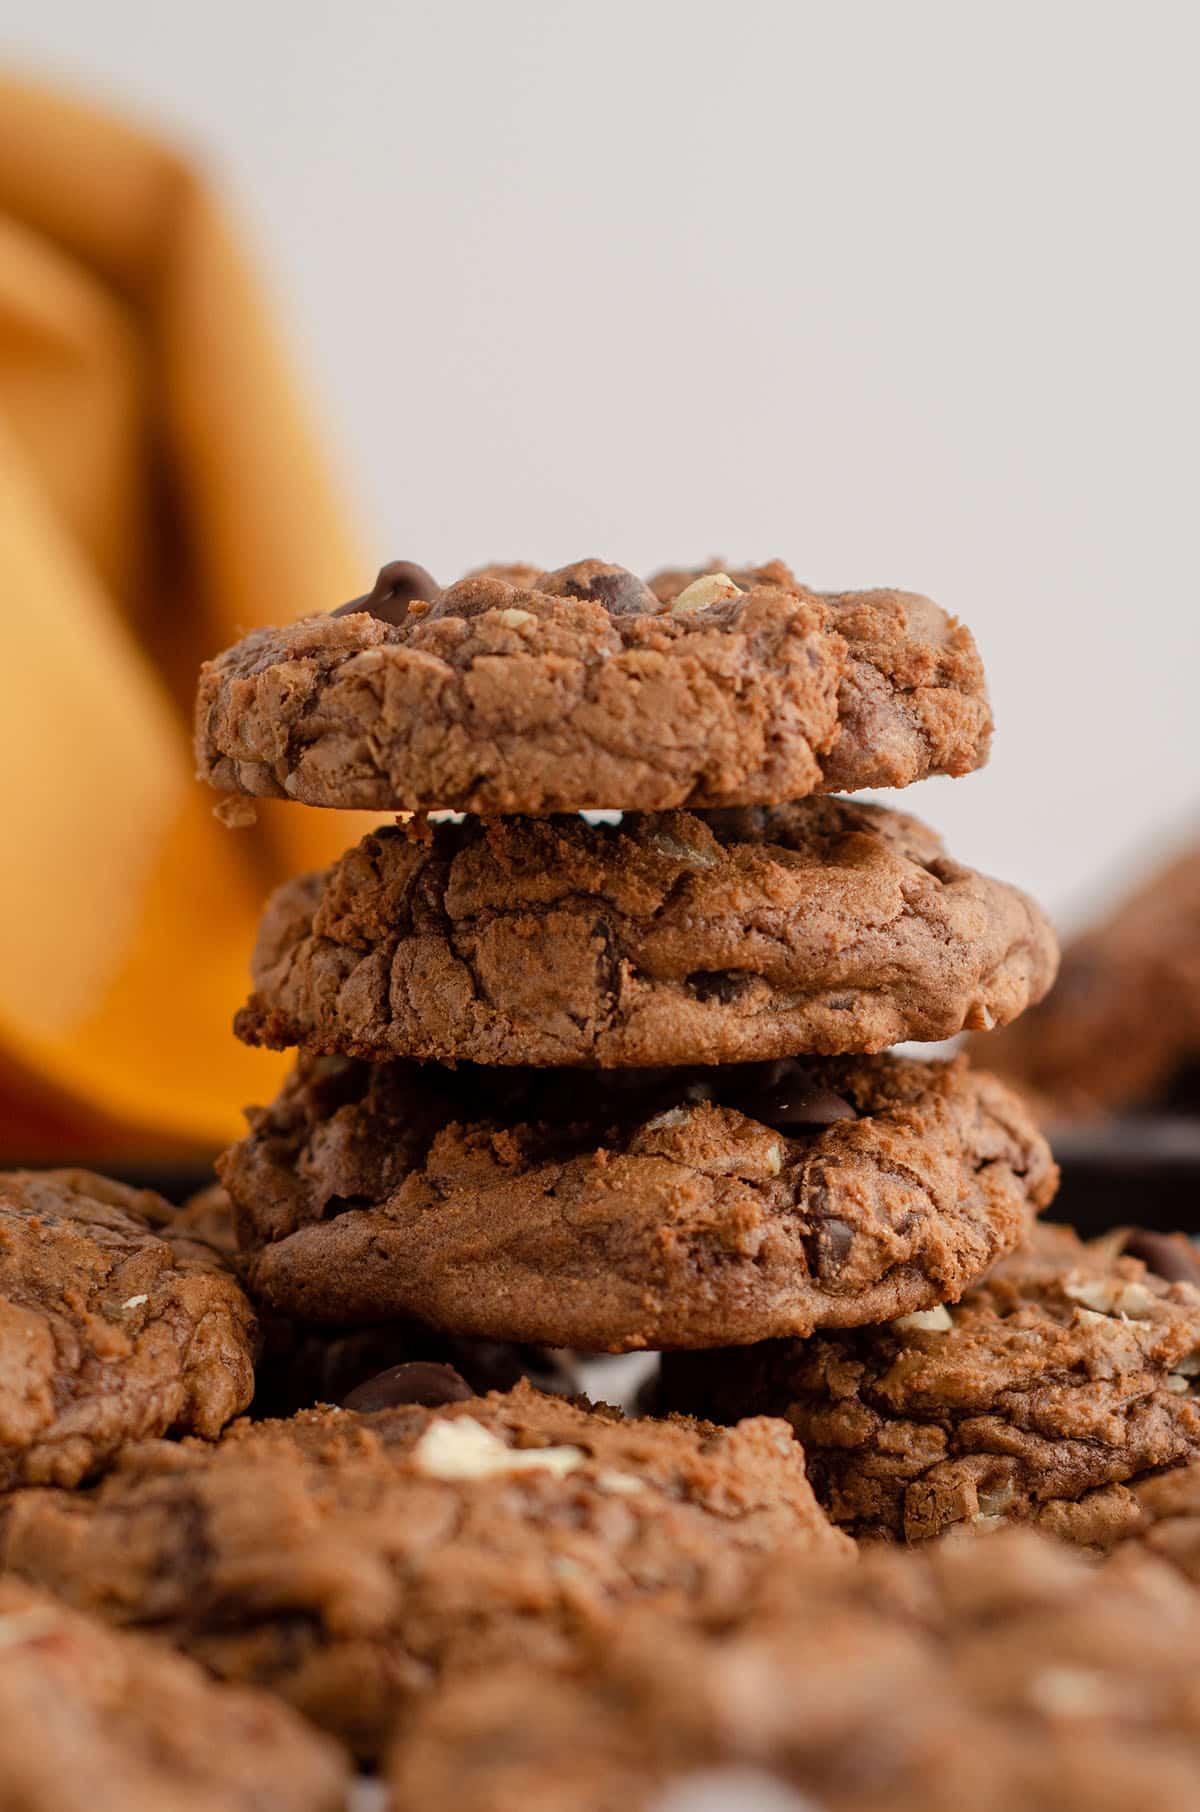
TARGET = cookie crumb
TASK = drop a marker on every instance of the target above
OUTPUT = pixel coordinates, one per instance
(235, 813)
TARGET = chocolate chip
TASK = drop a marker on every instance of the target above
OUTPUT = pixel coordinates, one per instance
(790, 1098)
(621, 592)
(1170, 1256)
(417, 1381)
(721, 985)
(400, 583)
(833, 1240)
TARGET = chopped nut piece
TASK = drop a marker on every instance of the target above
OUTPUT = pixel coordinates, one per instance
(1111, 1296)
(516, 619)
(683, 852)
(711, 589)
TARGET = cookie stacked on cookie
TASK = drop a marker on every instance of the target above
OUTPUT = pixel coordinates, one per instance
(624, 1085)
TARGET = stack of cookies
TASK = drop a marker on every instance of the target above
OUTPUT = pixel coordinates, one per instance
(618, 1086)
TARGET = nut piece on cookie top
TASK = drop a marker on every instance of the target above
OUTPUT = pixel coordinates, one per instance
(522, 691)
(349, 1562)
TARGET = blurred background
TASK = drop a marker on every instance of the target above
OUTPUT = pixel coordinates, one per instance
(906, 296)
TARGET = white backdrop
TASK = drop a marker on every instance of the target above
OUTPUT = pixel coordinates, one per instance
(904, 294)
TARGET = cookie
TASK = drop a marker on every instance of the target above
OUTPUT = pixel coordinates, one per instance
(820, 926)
(522, 691)
(1052, 1386)
(92, 1720)
(349, 1562)
(1121, 1028)
(997, 1675)
(632, 1208)
(116, 1322)
(376, 1367)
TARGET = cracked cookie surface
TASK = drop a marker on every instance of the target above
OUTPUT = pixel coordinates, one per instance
(523, 691)
(350, 1562)
(821, 926)
(632, 1208)
(996, 1674)
(116, 1322)
(1043, 1395)
(94, 1720)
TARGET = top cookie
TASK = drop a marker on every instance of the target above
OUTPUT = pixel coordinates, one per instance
(528, 692)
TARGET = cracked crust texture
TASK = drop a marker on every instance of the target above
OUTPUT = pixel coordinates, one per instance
(1004, 1675)
(116, 1322)
(1121, 1029)
(92, 1720)
(350, 1562)
(820, 926)
(1043, 1395)
(298, 1365)
(643, 1209)
(529, 692)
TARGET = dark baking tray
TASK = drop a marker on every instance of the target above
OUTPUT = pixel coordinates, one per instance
(1142, 1172)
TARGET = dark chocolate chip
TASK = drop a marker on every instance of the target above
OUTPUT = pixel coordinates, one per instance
(789, 1098)
(723, 986)
(1170, 1256)
(416, 1381)
(400, 583)
(621, 592)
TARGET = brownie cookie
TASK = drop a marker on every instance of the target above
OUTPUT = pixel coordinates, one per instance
(1121, 1028)
(911, 699)
(637, 1207)
(1002, 1675)
(95, 1721)
(116, 1322)
(1065, 1375)
(349, 1562)
(375, 1367)
(522, 691)
(821, 926)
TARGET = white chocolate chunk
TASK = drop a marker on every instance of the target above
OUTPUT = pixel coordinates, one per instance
(464, 1449)
(931, 1321)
